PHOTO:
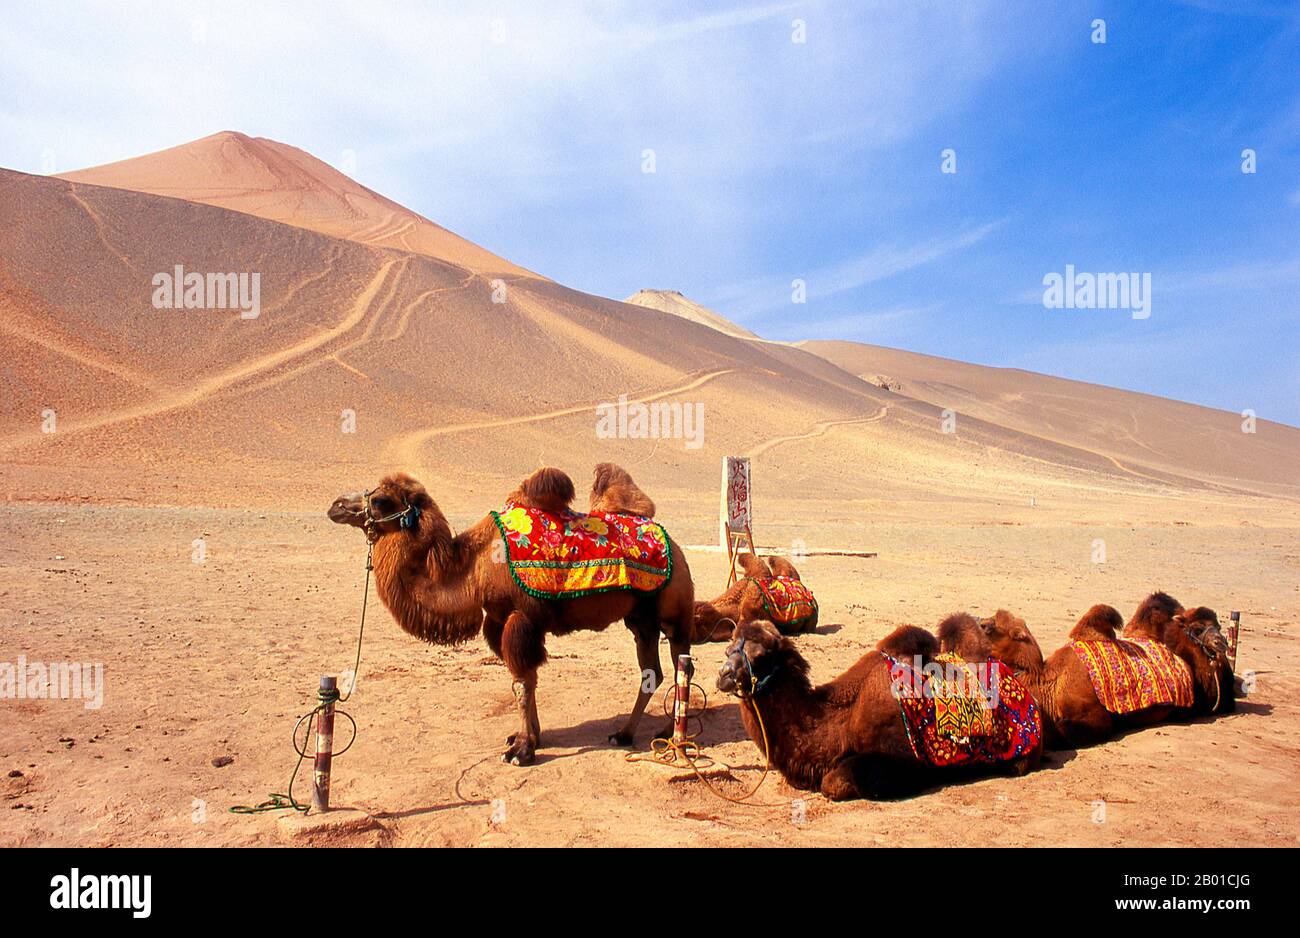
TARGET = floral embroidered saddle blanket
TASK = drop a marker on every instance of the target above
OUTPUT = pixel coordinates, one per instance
(563, 555)
(1135, 673)
(786, 601)
(957, 713)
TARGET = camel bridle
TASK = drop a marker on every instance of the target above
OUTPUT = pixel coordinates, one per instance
(756, 684)
(407, 517)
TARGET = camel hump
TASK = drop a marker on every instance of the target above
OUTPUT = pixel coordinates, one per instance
(613, 490)
(1101, 623)
(908, 641)
(960, 634)
(782, 567)
(1152, 614)
(547, 489)
(754, 566)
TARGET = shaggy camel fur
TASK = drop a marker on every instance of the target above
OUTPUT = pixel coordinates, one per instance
(846, 738)
(742, 602)
(1072, 714)
(1195, 636)
(445, 588)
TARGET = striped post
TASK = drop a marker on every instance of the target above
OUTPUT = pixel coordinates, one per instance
(1234, 632)
(683, 698)
(320, 793)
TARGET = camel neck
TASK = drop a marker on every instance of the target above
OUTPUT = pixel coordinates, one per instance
(428, 585)
(795, 718)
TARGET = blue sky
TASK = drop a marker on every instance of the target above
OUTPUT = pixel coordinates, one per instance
(523, 127)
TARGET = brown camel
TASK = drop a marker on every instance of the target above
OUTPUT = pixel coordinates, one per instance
(1195, 636)
(847, 738)
(445, 588)
(1073, 716)
(743, 601)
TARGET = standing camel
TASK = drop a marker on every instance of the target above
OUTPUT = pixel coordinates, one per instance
(445, 588)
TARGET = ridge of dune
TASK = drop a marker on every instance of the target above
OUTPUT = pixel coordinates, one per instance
(672, 301)
(1129, 428)
(273, 180)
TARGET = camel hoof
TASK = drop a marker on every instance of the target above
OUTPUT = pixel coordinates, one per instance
(521, 752)
(620, 739)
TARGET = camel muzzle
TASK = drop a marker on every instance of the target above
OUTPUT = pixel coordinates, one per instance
(348, 509)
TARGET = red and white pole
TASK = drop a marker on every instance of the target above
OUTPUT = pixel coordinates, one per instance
(683, 699)
(1233, 636)
(320, 793)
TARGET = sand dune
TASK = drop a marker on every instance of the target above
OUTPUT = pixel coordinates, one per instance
(433, 350)
(276, 181)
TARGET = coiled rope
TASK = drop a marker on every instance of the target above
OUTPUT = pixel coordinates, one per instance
(284, 801)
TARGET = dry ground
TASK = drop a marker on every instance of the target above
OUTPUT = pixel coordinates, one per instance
(218, 658)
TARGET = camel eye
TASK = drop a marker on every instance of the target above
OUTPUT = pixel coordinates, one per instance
(382, 504)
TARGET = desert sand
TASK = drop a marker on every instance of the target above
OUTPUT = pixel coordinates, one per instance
(387, 342)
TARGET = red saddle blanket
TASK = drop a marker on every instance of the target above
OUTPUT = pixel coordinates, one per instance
(563, 555)
(956, 713)
(1135, 673)
(786, 601)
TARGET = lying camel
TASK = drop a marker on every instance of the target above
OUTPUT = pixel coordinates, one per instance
(847, 738)
(1194, 635)
(1073, 714)
(743, 601)
(445, 588)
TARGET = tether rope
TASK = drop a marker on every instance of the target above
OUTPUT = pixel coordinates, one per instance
(284, 801)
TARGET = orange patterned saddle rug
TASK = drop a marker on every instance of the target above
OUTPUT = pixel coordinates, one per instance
(786, 601)
(1135, 673)
(563, 555)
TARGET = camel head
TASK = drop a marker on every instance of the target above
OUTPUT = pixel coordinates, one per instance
(394, 506)
(757, 652)
(710, 623)
(1194, 635)
(1012, 641)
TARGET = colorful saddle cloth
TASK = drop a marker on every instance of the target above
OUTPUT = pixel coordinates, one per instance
(786, 601)
(567, 554)
(965, 714)
(1135, 673)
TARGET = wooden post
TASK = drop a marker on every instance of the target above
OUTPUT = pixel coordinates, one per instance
(683, 698)
(1233, 636)
(320, 793)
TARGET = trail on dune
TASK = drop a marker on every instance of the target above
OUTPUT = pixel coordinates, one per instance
(98, 222)
(214, 383)
(397, 332)
(59, 345)
(818, 429)
(406, 448)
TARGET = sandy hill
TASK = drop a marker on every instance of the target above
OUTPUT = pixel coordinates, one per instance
(672, 301)
(383, 351)
(1138, 432)
(276, 181)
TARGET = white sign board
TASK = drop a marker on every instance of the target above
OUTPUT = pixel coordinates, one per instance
(736, 512)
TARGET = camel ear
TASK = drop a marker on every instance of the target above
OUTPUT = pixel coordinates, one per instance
(546, 489)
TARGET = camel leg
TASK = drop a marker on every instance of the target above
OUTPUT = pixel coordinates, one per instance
(840, 783)
(524, 651)
(647, 659)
